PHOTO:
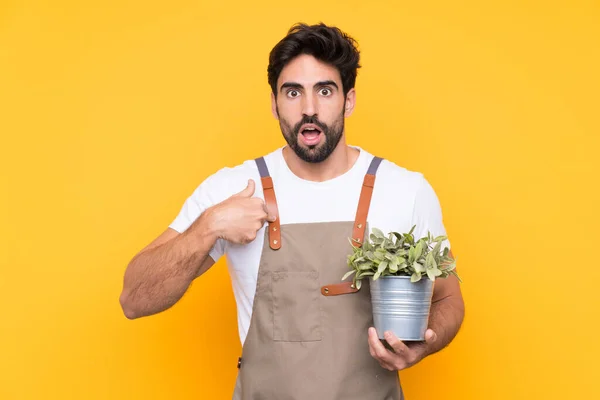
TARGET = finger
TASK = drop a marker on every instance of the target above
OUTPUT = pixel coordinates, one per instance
(396, 344)
(248, 190)
(382, 363)
(381, 353)
(271, 217)
(430, 336)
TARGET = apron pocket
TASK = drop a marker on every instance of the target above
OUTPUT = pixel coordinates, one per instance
(296, 311)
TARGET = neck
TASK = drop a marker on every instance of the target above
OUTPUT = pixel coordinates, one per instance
(338, 163)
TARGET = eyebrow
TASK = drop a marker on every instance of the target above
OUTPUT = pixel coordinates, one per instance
(295, 85)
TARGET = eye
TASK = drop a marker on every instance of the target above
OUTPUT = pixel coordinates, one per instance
(293, 93)
(325, 91)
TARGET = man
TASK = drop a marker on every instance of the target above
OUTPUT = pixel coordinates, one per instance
(284, 221)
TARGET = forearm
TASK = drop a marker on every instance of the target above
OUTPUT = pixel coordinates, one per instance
(157, 278)
(445, 319)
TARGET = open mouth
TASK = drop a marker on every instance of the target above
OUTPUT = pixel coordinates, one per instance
(311, 134)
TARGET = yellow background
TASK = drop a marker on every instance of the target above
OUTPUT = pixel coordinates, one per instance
(112, 112)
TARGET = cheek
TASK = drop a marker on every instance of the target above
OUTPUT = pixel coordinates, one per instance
(289, 109)
(289, 113)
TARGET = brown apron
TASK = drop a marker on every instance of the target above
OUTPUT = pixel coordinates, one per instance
(308, 335)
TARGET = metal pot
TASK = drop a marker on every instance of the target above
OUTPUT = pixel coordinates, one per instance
(401, 306)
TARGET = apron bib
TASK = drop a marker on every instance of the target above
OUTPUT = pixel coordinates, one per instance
(308, 334)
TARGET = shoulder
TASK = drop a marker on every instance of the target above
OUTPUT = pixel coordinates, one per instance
(229, 180)
(391, 175)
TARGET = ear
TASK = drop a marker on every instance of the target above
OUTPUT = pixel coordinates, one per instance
(274, 106)
(350, 102)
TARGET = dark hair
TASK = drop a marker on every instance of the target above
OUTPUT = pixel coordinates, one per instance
(325, 43)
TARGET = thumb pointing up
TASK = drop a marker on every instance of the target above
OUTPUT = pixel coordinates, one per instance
(248, 190)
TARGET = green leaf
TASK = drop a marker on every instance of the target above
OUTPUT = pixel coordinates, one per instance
(411, 255)
(358, 284)
(430, 274)
(440, 239)
(347, 274)
(436, 249)
(380, 254)
(378, 233)
(428, 260)
(415, 277)
(418, 267)
(418, 250)
(365, 266)
(382, 266)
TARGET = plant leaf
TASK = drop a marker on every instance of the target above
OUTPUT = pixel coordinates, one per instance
(347, 274)
(431, 274)
(436, 249)
(393, 265)
(418, 249)
(415, 277)
(418, 267)
(365, 266)
(411, 255)
(378, 233)
(382, 266)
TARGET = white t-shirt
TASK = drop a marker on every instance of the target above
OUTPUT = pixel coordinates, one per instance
(401, 199)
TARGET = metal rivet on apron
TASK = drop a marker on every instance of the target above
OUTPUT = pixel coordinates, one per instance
(274, 228)
(359, 226)
(274, 241)
(357, 239)
(352, 286)
(326, 290)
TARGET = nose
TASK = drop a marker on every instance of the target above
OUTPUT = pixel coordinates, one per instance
(309, 105)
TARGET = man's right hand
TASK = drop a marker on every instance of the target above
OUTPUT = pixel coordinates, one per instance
(238, 218)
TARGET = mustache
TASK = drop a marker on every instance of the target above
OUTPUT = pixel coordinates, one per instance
(310, 120)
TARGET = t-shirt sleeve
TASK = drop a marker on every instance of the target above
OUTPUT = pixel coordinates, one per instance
(427, 213)
(193, 207)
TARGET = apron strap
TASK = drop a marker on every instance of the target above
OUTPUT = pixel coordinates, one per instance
(358, 231)
(364, 202)
(271, 202)
(361, 213)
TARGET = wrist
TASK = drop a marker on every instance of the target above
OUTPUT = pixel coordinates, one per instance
(209, 228)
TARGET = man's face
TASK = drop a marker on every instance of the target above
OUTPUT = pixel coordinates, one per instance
(311, 107)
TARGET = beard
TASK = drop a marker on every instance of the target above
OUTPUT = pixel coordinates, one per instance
(319, 152)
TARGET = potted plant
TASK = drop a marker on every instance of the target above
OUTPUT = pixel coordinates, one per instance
(401, 272)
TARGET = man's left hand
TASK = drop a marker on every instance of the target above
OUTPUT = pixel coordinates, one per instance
(403, 355)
